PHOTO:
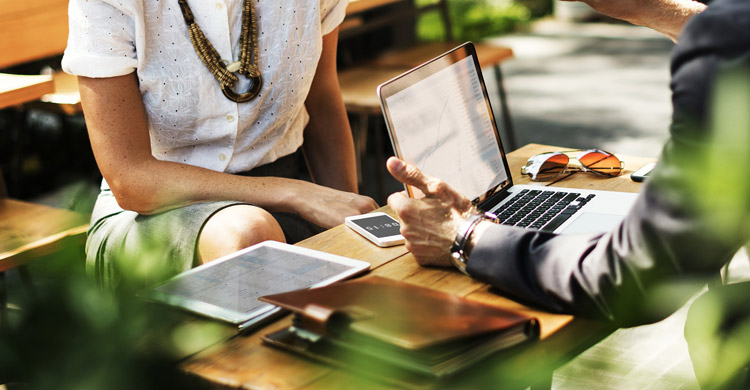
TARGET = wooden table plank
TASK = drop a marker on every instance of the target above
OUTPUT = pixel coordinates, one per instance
(488, 55)
(32, 30)
(19, 89)
(578, 180)
(357, 6)
(359, 87)
(243, 362)
(29, 230)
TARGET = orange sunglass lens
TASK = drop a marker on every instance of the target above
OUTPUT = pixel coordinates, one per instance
(552, 166)
(601, 162)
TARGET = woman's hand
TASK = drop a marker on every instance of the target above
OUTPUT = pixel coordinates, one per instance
(327, 207)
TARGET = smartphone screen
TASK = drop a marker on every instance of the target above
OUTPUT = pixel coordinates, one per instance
(380, 226)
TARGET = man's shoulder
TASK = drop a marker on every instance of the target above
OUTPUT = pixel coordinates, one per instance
(724, 24)
(721, 32)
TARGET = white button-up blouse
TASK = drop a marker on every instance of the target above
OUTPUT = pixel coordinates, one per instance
(190, 121)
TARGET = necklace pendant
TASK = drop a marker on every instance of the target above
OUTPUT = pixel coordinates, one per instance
(255, 84)
(234, 66)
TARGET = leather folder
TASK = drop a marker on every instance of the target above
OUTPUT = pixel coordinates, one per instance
(375, 324)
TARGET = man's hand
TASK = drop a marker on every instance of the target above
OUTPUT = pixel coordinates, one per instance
(428, 224)
(665, 16)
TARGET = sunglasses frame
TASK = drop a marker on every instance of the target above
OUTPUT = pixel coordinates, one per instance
(580, 167)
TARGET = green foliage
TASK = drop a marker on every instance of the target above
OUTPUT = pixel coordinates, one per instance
(538, 8)
(473, 20)
(72, 334)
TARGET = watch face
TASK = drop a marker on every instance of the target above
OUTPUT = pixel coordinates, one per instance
(379, 226)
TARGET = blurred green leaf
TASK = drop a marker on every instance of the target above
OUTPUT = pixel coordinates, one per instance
(474, 20)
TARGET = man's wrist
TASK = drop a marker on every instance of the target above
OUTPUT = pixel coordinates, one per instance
(475, 236)
(464, 243)
(669, 17)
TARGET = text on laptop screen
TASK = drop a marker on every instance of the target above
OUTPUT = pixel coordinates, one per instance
(444, 128)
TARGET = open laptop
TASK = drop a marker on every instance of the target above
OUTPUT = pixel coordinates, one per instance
(439, 119)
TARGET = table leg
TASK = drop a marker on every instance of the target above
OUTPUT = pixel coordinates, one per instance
(3, 303)
(3, 189)
(380, 158)
(25, 275)
(360, 143)
(512, 143)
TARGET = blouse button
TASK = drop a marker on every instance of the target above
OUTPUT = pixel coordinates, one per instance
(219, 6)
(222, 157)
(230, 118)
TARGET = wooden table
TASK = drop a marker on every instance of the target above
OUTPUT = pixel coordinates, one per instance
(244, 362)
(357, 6)
(30, 230)
(19, 89)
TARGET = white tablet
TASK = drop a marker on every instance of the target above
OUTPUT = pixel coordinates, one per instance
(228, 288)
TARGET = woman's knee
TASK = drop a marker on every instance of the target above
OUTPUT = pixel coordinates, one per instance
(235, 228)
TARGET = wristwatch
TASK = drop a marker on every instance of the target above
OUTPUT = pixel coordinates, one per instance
(463, 235)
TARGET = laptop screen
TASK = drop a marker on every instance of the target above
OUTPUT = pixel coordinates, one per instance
(440, 120)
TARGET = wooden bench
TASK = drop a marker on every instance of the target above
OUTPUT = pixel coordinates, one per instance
(33, 30)
(39, 29)
(359, 82)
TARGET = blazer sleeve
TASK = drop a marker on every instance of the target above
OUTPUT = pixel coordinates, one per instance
(686, 224)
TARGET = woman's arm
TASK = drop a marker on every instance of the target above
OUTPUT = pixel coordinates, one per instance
(328, 145)
(118, 129)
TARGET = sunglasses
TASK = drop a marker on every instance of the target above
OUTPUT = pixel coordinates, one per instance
(547, 166)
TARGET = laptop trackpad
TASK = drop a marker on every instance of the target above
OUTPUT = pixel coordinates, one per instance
(593, 222)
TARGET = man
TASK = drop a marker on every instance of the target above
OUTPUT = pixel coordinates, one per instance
(687, 223)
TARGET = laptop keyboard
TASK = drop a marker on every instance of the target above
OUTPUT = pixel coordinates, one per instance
(543, 210)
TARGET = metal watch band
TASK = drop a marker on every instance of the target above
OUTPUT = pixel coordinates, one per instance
(458, 253)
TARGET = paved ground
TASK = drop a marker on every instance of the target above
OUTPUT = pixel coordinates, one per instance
(583, 85)
(590, 85)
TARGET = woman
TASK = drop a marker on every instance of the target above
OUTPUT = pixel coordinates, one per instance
(196, 165)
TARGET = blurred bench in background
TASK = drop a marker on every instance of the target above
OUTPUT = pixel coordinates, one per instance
(32, 30)
(378, 41)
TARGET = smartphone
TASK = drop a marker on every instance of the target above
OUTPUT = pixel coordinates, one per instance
(380, 228)
(642, 173)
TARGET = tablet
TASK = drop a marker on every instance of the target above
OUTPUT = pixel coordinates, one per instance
(228, 289)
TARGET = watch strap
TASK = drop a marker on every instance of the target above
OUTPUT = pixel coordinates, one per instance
(458, 248)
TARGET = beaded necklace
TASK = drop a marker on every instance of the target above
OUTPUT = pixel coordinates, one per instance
(224, 73)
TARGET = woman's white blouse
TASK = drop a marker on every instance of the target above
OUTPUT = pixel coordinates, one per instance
(190, 121)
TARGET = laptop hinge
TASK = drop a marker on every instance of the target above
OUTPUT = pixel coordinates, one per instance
(494, 200)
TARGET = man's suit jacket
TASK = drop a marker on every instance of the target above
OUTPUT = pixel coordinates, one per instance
(673, 240)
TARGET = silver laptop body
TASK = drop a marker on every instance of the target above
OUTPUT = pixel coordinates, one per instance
(439, 119)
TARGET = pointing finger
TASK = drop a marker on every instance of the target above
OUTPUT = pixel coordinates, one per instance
(409, 175)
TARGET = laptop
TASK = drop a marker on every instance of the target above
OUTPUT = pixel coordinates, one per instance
(439, 119)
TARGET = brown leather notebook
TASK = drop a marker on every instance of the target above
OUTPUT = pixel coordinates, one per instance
(378, 324)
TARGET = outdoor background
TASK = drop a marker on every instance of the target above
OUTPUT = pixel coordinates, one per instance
(577, 80)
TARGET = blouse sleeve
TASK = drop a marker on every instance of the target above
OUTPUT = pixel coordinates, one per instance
(101, 42)
(332, 14)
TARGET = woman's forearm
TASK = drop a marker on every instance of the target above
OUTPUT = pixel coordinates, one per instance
(154, 186)
(118, 130)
